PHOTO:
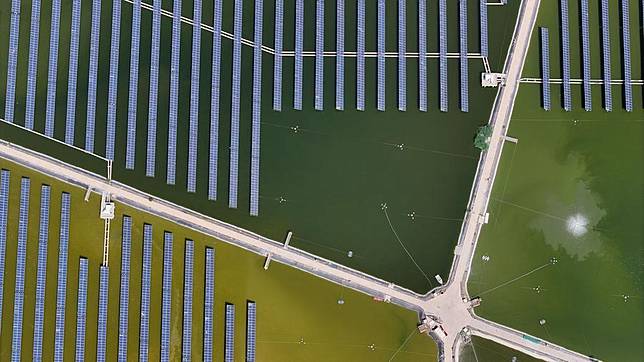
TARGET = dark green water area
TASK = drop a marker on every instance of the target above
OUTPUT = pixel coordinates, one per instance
(324, 175)
(572, 189)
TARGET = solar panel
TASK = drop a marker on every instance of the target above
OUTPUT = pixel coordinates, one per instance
(277, 66)
(41, 274)
(146, 275)
(422, 58)
(585, 46)
(626, 39)
(251, 335)
(194, 97)
(114, 78)
(21, 260)
(53, 68)
(608, 98)
(319, 55)
(174, 93)
(381, 55)
(130, 153)
(339, 59)
(153, 101)
(565, 50)
(442, 46)
(166, 306)
(13, 60)
(213, 153)
(299, 41)
(360, 56)
(462, 5)
(208, 306)
(257, 107)
(5, 176)
(61, 288)
(92, 79)
(72, 78)
(545, 68)
(233, 182)
(103, 299)
(81, 309)
(229, 346)
(484, 31)
(32, 70)
(124, 296)
(187, 298)
(402, 61)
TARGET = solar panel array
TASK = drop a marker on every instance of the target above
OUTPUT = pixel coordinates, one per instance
(41, 273)
(153, 100)
(339, 59)
(194, 97)
(61, 289)
(465, 102)
(146, 276)
(257, 109)
(319, 55)
(187, 298)
(442, 56)
(53, 68)
(114, 80)
(585, 47)
(279, 39)
(103, 299)
(234, 113)
(171, 172)
(32, 70)
(251, 330)
(545, 68)
(422, 58)
(299, 44)
(626, 39)
(484, 31)
(134, 86)
(4, 211)
(208, 306)
(72, 77)
(565, 50)
(608, 98)
(21, 260)
(402, 62)
(124, 296)
(166, 306)
(81, 309)
(92, 79)
(213, 153)
(360, 56)
(229, 345)
(13, 60)
(381, 55)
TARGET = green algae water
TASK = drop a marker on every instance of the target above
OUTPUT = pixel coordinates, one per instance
(298, 315)
(571, 189)
(324, 175)
(483, 350)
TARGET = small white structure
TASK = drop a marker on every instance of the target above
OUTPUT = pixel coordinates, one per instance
(489, 79)
(107, 207)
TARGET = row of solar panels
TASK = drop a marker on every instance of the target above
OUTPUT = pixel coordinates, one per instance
(236, 84)
(360, 52)
(126, 244)
(41, 276)
(606, 52)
